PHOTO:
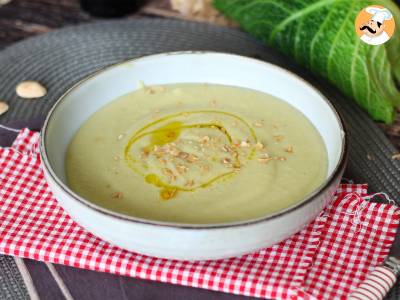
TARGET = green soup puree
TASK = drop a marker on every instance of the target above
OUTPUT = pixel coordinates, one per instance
(196, 153)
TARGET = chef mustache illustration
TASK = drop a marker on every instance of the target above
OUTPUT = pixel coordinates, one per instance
(369, 28)
(375, 26)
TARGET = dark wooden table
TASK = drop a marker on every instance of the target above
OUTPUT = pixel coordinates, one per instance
(20, 19)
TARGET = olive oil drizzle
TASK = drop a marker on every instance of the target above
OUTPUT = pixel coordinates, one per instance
(171, 132)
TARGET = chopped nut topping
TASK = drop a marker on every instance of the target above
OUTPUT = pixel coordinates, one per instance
(117, 195)
(204, 139)
(289, 149)
(183, 155)
(162, 161)
(189, 183)
(259, 146)
(226, 160)
(278, 138)
(182, 169)
(121, 136)
(396, 156)
(264, 159)
(167, 172)
(282, 158)
(174, 152)
(144, 154)
(117, 157)
(192, 158)
(244, 144)
(258, 124)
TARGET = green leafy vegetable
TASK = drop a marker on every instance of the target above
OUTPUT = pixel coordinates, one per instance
(320, 35)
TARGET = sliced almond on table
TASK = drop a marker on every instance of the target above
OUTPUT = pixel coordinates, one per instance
(30, 89)
(396, 156)
(3, 107)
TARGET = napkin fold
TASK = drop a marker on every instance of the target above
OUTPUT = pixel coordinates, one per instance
(328, 259)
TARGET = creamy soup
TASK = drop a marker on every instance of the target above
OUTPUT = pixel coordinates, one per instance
(196, 153)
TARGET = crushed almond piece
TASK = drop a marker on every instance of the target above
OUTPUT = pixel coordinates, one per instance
(204, 139)
(162, 161)
(192, 158)
(264, 159)
(183, 155)
(117, 157)
(278, 138)
(182, 169)
(121, 136)
(244, 144)
(258, 124)
(259, 146)
(226, 160)
(117, 195)
(189, 183)
(174, 152)
(281, 158)
(225, 148)
(289, 149)
(396, 156)
(169, 174)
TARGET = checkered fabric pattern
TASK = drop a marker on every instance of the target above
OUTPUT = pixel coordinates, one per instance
(326, 260)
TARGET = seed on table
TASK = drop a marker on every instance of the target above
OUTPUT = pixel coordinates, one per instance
(3, 107)
(30, 89)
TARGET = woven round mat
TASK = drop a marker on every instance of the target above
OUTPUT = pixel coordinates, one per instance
(61, 58)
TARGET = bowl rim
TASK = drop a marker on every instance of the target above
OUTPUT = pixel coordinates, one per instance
(322, 188)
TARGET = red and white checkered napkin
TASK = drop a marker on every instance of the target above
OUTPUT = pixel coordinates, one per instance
(327, 259)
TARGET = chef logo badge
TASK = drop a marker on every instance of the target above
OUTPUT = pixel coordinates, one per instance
(375, 25)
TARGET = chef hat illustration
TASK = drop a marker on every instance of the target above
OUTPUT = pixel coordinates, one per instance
(379, 14)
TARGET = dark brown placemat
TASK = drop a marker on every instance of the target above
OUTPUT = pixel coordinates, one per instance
(61, 58)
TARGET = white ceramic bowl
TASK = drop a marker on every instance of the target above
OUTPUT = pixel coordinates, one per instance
(188, 241)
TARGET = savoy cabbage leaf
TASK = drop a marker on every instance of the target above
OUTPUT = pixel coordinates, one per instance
(320, 35)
